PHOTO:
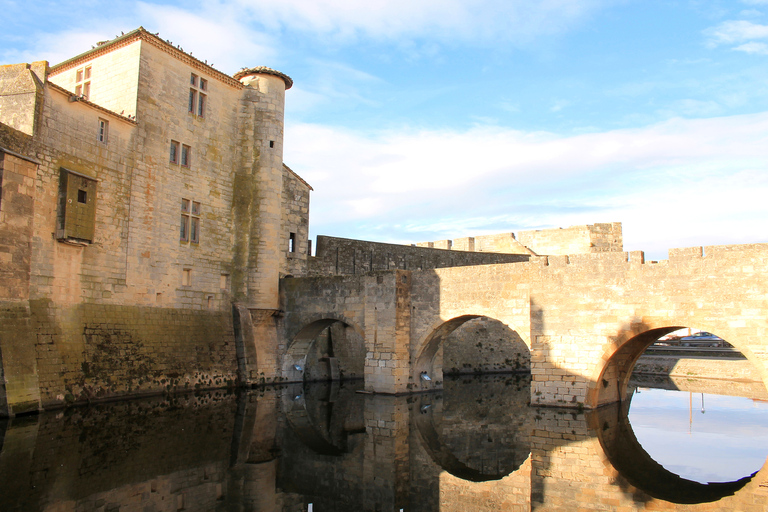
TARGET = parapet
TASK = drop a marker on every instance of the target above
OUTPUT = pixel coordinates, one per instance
(586, 239)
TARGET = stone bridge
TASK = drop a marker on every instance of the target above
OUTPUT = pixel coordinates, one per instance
(585, 318)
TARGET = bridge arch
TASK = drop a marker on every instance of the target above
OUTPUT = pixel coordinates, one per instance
(352, 338)
(610, 378)
(428, 374)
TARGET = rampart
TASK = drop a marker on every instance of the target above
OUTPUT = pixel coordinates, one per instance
(344, 256)
(590, 238)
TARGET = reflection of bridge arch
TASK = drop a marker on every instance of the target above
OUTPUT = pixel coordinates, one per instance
(295, 360)
(637, 467)
(324, 420)
(438, 333)
(428, 419)
(611, 376)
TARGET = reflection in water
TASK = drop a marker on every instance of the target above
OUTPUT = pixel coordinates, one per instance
(477, 445)
(701, 437)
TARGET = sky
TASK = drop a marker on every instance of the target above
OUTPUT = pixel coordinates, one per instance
(419, 120)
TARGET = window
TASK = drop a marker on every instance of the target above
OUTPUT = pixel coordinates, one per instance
(186, 277)
(174, 152)
(103, 132)
(197, 99)
(292, 242)
(83, 82)
(76, 216)
(186, 154)
(189, 227)
(224, 281)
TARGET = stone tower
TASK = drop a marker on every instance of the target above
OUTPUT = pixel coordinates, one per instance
(258, 188)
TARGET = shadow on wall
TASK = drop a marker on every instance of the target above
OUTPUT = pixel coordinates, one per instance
(470, 344)
(483, 345)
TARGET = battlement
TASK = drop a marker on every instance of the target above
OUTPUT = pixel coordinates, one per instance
(589, 238)
(677, 256)
(343, 256)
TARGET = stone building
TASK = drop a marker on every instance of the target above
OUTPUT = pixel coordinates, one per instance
(143, 194)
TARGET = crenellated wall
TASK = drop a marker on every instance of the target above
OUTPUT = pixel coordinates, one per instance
(343, 256)
(590, 238)
(586, 318)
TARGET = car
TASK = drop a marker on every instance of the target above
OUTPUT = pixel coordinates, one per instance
(702, 338)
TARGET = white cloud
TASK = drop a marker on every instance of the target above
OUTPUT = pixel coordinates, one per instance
(447, 20)
(753, 47)
(729, 32)
(673, 184)
(216, 33)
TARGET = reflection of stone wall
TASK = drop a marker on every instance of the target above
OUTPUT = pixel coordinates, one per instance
(729, 369)
(485, 423)
(151, 453)
(484, 345)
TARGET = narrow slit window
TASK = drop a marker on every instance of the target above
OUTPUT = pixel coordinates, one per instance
(103, 131)
(292, 242)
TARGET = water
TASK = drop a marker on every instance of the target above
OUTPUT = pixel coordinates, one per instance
(475, 446)
(701, 437)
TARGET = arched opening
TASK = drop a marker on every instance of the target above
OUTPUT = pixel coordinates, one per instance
(325, 350)
(688, 414)
(469, 344)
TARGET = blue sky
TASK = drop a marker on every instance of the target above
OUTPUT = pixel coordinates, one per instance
(422, 120)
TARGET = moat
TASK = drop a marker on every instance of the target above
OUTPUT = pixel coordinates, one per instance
(477, 445)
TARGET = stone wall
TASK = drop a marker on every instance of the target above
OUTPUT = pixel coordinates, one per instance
(21, 87)
(342, 256)
(560, 241)
(97, 351)
(136, 263)
(483, 345)
(295, 224)
(17, 207)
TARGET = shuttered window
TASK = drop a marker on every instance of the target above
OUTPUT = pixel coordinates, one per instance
(77, 207)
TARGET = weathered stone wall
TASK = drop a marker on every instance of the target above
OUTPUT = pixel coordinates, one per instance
(342, 256)
(137, 258)
(295, 220)
(728, 369)
(586, 317)
(586, 310)
(17, 207)
(573, 240)
(96, 351)
(21, 87)
(483, 345)
(114, 77)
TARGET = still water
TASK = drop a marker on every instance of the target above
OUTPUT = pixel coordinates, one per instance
(476, 446)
